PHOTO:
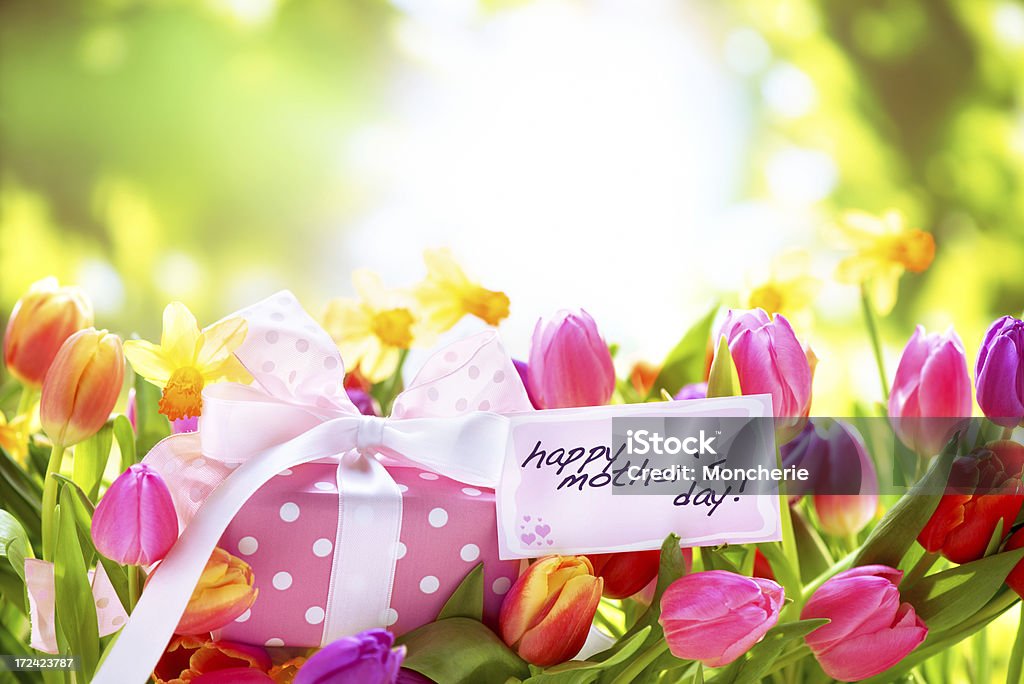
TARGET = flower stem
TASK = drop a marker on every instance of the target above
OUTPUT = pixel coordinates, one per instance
(50, 499)
(134, 586)
(1007, 433)
(28, 396)
(640, 663)
(876, 342)
(920, 569)
(1015, 669)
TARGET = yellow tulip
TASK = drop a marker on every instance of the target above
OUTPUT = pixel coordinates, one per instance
(225, 591)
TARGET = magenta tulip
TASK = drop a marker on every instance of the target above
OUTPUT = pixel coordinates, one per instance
(717, 616)
(135, 522)
(931, 395)
(769, 359)
(870, 629)
(999, 373)
(695, 390)
(570, 364)
(366, 657)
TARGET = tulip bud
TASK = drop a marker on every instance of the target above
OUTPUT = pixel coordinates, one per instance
(984, 488)
(931, 394)
(225, 591)
(769, 359)
(625, 574)
(547, 613)
(717, 616)
(41, 321)
(570, 364)
(135, 522)
(999, 373)
(367, 657)
(870, 629)
(82, 386)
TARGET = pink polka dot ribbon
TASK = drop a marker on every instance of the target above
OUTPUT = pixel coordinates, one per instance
(447, 422)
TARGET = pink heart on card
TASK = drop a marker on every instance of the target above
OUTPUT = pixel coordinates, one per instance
(542, 530)
(526, 518)
(527, 538)
(550, 542)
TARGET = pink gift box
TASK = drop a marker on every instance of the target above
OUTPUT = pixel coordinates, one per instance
(286, 534)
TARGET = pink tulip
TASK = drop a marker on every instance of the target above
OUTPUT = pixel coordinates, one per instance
(870, 629)
(770, 360)
(570, 364)
(717, 616)
(135, 522)
(931, 395)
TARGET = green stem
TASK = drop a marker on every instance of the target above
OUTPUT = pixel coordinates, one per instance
(28, 397)
(393, 386)
(50, 499)
(920, 569)
(1007, 433)
(134, 586)
(876, 342)
(640, 663)
(1016, 667)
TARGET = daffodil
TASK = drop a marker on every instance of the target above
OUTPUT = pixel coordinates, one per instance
(371, 331)
(447, 294)
(790, 289)
(14, 437)
(187, 359)
(884, 250)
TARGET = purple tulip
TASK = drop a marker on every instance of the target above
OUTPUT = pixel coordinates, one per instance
(717, 616)
(363, 401)
(366, 658)
(695, 390)
(999, 373)
(870, 629)
(570, 364)
(770, 360)
(135, 522)
(931, 394)
(523, 369)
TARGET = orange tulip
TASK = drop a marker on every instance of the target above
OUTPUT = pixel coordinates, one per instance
(224, 592)
(41, 321)
(82, 386)
(547, 613)
(189, 657)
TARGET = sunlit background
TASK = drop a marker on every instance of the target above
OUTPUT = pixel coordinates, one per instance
(640, 158)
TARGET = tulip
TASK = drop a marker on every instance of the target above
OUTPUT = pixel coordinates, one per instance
(717, 616)
(762, 568)
(523, 369)
(547, 613)
(870, 629)
(999, 373)
(135, 522)
(187, 658)
(362, 401)
(842, 476)
(1015, 580)
(642, 376)
(984, 488)
(770, 360)
(234, 675)
(82, 386)
(366, 658)
(225, 591)
(625, 574)
(695, 390)
(41, 321)
(931, 394)
(570, 364)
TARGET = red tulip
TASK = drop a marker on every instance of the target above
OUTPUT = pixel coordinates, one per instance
(985, 487)
(625, 574)
(546, 615)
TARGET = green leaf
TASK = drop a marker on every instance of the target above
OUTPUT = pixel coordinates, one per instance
(760, 658)
(626, 648)
(482, 656)
(125, 436)
(901, 524)
(76, 620)
(685, 363)
(14, 544)
(21, 494)
(150, 425)
(468, 598)
(723, 380)
(90, 460)
(811, 549)
(9, 643)
(945, 599)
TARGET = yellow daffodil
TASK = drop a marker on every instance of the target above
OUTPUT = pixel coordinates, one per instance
(14, 437)
(447, 294)
(372, 330)
(789, 288)
(187, 359)
(885, 249)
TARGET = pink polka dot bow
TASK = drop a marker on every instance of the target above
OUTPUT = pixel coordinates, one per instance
(296, 412)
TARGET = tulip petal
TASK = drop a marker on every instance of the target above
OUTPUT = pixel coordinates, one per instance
(563, 631)
(866, 655)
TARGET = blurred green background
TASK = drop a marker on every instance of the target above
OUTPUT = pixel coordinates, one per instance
(636, 158)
